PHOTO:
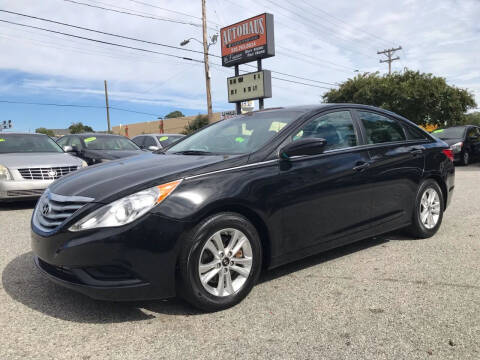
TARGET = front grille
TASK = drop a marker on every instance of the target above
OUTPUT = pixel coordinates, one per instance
(34, 192)
(52, 210)
(52, 173)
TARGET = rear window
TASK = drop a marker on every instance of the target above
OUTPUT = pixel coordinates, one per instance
(96, 142)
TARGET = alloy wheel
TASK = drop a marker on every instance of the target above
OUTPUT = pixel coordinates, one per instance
(430, 208)
(225, 262)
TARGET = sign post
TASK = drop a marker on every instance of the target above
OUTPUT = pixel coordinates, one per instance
(248, 40)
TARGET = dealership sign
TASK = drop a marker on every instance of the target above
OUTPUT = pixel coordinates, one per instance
(255, 85)
(248, 40)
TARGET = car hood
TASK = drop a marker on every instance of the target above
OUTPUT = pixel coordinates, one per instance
(452, 141)
(112, 180)
(31, 160)
(111, 154)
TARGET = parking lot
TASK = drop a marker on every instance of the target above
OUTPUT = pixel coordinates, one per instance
(390, 297)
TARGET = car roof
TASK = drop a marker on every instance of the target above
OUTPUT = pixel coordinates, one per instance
(158, 134)
(95, 134)
(21, 133)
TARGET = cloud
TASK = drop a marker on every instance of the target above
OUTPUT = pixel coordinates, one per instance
(319, 40)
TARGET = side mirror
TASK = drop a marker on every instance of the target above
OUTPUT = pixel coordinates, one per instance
(153, 148)
(313, 146)
(68, 148)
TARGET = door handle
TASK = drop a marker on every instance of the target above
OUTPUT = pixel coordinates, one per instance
(416, 152)
(361, 165)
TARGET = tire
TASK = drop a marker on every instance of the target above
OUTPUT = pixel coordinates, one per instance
(424, 227)
(232, 276)
(465, 158)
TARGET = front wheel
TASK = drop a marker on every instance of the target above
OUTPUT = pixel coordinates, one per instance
(465, 158)
(220, 262)
(428, 211)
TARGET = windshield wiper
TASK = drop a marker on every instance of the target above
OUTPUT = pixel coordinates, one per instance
(192, 152)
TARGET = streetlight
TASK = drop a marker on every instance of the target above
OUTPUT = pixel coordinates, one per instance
(206, 47)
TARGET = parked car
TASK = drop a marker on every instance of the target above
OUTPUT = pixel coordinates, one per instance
(463, 140)
(250, 192)
(98, 148)
(29, 163)
(154, 142)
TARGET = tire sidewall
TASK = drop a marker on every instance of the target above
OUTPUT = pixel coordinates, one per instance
(466, 158)
(194, 291)
(422, 230)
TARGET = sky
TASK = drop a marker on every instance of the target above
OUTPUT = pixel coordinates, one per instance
(319, 43)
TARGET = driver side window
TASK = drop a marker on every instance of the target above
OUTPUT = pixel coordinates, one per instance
(336, 127)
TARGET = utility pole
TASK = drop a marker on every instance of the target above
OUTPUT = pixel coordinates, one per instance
(108, 108)
(389, 53)
(205, 59)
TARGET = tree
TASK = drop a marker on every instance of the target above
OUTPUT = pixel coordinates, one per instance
(472, 118)
(174, 114)
(78, 128)
(45, 131)
(199, 122)
(421, 98)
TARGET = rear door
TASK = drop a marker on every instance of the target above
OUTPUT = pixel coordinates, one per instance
(396, 167)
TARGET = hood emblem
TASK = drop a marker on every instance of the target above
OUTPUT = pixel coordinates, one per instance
(52, 173)
(45, 209)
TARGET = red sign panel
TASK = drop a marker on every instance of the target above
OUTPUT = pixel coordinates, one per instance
(248, 40)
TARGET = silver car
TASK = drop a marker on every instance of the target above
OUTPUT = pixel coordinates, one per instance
(29, 163)
(154, 142)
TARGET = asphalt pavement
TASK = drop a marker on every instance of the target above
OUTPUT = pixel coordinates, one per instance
(390, 297)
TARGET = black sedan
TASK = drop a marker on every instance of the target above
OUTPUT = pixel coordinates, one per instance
(98, 148)
(464, 142)
(256, 191)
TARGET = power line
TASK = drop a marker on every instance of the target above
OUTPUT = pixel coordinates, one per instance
(76, 105)
(133, 39)
(102, 41)
(347, 25)
(133, 14)
(105, 33)
(169, 10)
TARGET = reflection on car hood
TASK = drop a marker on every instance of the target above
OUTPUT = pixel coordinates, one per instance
(109, 181)
(452, 141)
(34, 160)
(111, 154)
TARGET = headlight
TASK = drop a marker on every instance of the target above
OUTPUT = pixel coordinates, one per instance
(84, 164)
(4, 173)
(127, 209)
(456, 148)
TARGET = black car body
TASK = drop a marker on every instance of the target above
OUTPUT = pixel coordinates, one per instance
(98, 148)
(299, 205)
(464, 142)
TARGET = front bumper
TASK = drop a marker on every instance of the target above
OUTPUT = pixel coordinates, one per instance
(22, 189)
(132, 262)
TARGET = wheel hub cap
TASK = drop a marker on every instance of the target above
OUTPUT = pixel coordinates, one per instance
(430, 208)
(225, 262)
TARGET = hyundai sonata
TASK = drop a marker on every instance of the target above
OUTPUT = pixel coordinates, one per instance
(202, 218)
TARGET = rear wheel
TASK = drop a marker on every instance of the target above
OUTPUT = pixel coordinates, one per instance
(220, 262)
(428, 212)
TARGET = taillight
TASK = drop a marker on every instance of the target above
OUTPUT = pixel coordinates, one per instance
(448, 153)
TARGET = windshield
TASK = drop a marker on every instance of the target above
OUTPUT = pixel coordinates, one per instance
(166, 140)
(450, 133)
(238, 135)
(25, 143)
(109, 143)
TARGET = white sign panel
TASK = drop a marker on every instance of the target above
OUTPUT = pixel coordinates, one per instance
(256, 85)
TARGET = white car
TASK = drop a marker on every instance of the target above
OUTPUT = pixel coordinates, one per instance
(29, 163)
